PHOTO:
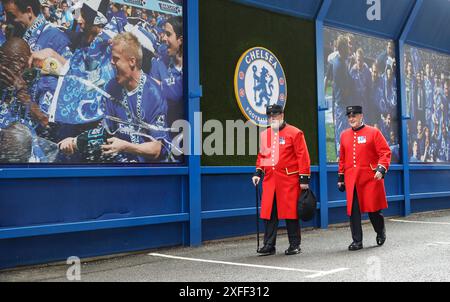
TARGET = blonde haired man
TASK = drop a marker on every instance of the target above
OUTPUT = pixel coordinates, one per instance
(135, 100)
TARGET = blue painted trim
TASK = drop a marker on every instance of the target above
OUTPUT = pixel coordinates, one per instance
(30, 173)
(194, 93)
(41, 230)
(228, 213)
(337, 203)
(214, 214)
(430, 195)
(404, 117)
(273, 8)
(343, 202)
(228, 170)
(395, 198)
(335, 168)
(185, 209)
(320, 65)
(213, 170)
(322, 135)
(428, 167)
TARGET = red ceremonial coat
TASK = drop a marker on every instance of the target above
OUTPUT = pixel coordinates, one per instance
(361, 153)
(283, 157)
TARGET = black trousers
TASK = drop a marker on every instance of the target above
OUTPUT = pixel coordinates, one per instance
(271, 227)
(376, 218)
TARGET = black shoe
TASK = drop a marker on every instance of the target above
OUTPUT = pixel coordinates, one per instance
(355, 246)
(292, 250)
(266, 250)
(381, 238)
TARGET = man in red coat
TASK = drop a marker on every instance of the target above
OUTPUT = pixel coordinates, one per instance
(284, 161)
(364, 160)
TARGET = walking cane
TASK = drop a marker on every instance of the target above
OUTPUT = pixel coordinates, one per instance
(257, 216)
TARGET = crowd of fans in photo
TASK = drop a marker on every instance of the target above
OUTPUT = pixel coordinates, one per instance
(426, 78)
(81, 37)
(362, 71)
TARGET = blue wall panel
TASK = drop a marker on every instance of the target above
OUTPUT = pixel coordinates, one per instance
(432, 204)
(42, 249)
(233, 191)
(219, 203)
(237, 226)
(227, 192)
(352, 14)
(424, 31)
(423, 181)
(236, 193)
(395, 208)
(339, 215)
(333, 192)
(229, 227)
(393, 185)
(64, 200)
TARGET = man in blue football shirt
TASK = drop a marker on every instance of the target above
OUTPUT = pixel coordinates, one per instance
(135, 114)
(168, 68)
(338, 73)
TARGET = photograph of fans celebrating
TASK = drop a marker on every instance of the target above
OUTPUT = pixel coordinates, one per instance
(426, 79)
(360, 70)
(95, 81)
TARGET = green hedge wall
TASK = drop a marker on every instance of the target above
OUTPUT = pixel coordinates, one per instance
(227, 30)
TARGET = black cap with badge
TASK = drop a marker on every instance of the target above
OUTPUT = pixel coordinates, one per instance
(354, 110)
(274, 109)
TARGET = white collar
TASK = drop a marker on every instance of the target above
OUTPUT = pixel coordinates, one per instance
(135, 90)
(132, 92)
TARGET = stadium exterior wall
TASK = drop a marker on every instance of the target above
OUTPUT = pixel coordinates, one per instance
(50, 214)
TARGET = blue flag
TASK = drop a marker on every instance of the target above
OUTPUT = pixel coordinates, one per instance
(79, 92)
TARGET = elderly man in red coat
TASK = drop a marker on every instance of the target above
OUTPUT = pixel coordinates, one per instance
(363, 162)
(284, 161)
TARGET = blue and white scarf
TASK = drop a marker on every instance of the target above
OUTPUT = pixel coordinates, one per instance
(32, 34)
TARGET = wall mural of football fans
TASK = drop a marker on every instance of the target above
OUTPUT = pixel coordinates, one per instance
(360, 70)
(426, 79)
(93, 81)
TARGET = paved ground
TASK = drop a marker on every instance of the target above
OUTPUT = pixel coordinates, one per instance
(417, 249)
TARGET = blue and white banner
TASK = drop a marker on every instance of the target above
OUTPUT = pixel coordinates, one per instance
(78, 101)
(79, 91)
(166, 7)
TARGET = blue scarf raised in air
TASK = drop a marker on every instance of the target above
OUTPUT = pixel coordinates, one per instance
(32, 34)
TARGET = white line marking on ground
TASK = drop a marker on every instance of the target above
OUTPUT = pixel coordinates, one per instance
(315, 273)
(438, 243)
(324, 273)
(420, 222)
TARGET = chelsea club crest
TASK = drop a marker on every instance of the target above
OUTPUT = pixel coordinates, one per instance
(259, 81)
